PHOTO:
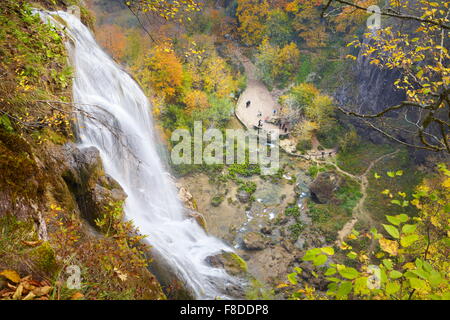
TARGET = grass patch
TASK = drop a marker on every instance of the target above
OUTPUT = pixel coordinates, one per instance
(380, 205)
(357, 160)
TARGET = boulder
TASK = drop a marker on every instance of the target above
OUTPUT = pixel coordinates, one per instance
(243, 196)
(324, 187)
(186, 197)
(198, 217)
(300, 243)
(93, 189)
(230, 262)
(254, 241)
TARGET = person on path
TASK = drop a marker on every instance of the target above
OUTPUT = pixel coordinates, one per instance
(248, 103)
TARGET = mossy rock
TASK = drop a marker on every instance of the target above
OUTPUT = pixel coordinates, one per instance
(217, 201)
(44, 258)
(232, 263)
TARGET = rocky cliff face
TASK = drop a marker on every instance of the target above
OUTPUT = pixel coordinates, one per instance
(371, 88)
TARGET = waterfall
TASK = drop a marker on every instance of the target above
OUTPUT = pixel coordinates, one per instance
(123, 133)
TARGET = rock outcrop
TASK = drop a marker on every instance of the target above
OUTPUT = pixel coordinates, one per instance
(254, 241)
(93, 189)
(324, 187)
(230, 262)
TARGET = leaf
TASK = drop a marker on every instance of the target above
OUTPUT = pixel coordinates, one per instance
(352, 255)
(328, 250)
(77, 296)
(394, 274)
(392, 287)
(360, 286)
(311, 254)
(393, 231)
(388, 246)
(409, 228)
(29, 296)
(11, 275)
(388, 263)
(42, 291)
(391, 174)
(416, 283)
(376, 176)
(330, 272)
(344, 289)
(32, 243)
(435, 278)
(292, 277)
(18, 294)
(394, 220)
(320, 260)
(349, 273)
(406, 241)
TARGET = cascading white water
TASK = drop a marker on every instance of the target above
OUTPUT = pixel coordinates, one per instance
(102, 89)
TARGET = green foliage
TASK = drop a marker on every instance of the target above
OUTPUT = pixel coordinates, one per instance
(314, 170)
(258, 291)
(244, 170)
(278, 28)
(217, 200)
(38, 55)
(217, 115)
(249, 187)
(293, 211)
(411, 266)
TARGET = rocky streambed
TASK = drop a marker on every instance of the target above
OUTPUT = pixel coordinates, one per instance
(269, 229)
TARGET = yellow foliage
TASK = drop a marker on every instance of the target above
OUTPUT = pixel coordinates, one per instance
(196, 100)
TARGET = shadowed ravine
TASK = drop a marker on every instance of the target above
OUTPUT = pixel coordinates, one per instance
(129, 155)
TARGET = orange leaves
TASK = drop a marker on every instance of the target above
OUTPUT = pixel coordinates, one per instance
(252, 15)
(196, 100)
(113, 39)
(165, 72)
(26, 288)
(10, 275)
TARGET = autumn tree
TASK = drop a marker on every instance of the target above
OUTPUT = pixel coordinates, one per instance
(278, 27)
(163, 72)
(196, 100)
(277, 65)
(251, 16)
(307, 23)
